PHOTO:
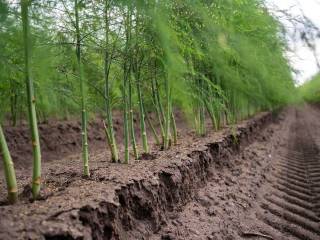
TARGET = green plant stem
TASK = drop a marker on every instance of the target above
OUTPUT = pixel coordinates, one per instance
(84, 133)
(174, 128)
(153, 130)
(125, 119)
(156, 105)
(126, 76)
(202, 108)
(36, 177)
(160, 109)
(149, 122)
(9, 171)
(137, 71)
(13, 102)
(159, 98)
(142, 118)
(107, 62)
(131, 121)
(211, 113)
(168, 115)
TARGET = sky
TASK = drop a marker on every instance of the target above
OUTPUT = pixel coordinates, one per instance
(301, 57)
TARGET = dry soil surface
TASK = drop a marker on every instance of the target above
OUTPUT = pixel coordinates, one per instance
(259, 179)
(270, 191)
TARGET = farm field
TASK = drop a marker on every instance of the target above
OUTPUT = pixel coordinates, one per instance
(264, 185)
(269, 190)
(159, 119)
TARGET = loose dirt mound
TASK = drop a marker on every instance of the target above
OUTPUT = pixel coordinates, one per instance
(124, 201)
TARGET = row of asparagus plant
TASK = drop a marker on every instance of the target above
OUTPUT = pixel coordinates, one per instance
(153, 57)
(31, 99)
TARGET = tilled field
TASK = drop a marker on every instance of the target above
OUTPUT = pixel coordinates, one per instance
(259, 180)
(289, 206)
(293, 205)
(275, 193)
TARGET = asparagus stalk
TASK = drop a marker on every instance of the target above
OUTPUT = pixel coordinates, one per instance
(84, 133)
(36, 178)
(142, 119)
(131, 123)
(9, 171)
(107, 62)
(168, 115)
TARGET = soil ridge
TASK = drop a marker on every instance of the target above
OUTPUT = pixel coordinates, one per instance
(136, 207)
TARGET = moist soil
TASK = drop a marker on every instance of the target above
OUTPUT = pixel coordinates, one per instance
(256, 180)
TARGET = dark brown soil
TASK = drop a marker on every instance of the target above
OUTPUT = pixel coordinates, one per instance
(288, 206)
(61, 151)
(59, 139)
(215, 187)
(271, 190)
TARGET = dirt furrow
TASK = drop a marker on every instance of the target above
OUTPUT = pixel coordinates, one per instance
(131, 201)
(291, 205)
(258, 181)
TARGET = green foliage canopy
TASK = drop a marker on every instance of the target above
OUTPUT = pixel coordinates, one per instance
(233, 49)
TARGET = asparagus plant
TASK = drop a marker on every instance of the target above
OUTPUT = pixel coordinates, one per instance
(174, 128)
(36, 178)
(131, 117)
(107, 63)
(154, 132)
(142, 117)
(157, 104)
(167, 133)
(166, 34)
(127, 114)
(84, 133)
(125, 117)
(137, 71)
(9, 171)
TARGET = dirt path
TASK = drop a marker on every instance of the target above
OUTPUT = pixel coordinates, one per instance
(290, 208)
(258, 180)
(272, 190)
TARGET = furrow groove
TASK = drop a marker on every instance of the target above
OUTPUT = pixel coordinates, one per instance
(293, 206)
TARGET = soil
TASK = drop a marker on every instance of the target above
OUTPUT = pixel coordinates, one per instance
(59, 139)
(259, 179)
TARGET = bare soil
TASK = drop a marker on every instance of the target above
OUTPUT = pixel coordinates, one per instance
(256, 180)
(59, 139)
